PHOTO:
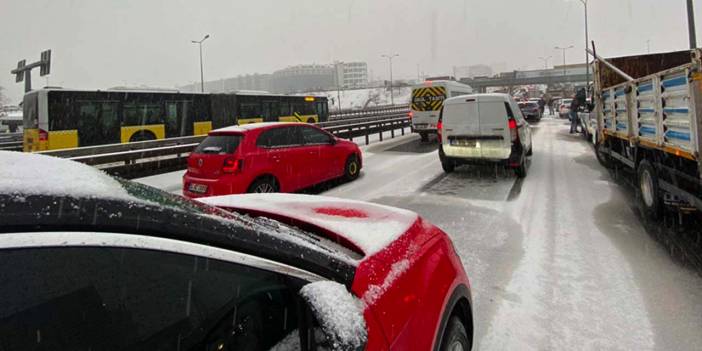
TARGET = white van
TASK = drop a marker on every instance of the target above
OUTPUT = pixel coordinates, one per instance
(484, 128)
(427, 100)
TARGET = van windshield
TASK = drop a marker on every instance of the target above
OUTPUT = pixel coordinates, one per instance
(218, 144)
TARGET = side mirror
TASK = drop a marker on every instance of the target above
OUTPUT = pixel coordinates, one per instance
(339, 315)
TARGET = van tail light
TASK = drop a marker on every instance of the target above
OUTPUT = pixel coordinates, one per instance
(513, 130)
(232, 166)
(410, 114)
(43, 135)
(439, 128)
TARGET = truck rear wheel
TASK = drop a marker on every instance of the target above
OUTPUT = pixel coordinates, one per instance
(648, 191)
(602, 157)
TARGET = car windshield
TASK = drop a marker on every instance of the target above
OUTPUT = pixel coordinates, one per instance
(549, 151)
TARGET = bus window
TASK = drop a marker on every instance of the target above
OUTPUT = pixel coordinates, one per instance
(284, 109)
(136, 114)
(249, 110)
(88, 133)
(109, 122)
(270, 111)
(60, 116)
(172, 119)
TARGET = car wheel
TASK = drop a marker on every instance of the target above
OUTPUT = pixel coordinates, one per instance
(521, 171)
(352, 169)
(264, 185)
(648, 191)
(142, 136)
(455, 337)
(424, 136)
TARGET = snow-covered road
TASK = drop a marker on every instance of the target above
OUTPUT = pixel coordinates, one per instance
(557, 261)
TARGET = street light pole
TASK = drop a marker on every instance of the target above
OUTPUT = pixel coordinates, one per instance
(392, 93)
(691, 24)
(202, 75)
(564, 57)
(587, 55)
(545, 59)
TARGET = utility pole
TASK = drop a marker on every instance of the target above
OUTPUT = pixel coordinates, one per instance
(392, 93)
(545, 59)
(587, 55)
(338, 89)
(202, 75)
(691, 24)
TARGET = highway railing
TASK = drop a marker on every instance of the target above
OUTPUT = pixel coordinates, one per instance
(144, 158)
(369, 112)
(11, 141)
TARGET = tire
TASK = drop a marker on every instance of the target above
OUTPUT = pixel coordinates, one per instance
(424, 136)
(448, 166)
(648, 190)
(311, 120)
(455, 337)
(602, 158)
(264, 185)
(521, 171)
(352, 168)
(142, 136)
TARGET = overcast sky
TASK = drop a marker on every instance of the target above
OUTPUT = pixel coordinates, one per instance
(101, 44)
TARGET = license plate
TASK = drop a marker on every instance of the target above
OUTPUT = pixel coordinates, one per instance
(198, 188)
(462, 142)
(420, 126)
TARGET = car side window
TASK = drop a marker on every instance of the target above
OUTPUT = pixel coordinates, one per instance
(312, 136)
(279, 137)
(93, 298)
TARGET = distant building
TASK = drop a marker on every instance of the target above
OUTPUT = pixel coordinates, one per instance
(302, 78)
(352, 74)
(294, 79)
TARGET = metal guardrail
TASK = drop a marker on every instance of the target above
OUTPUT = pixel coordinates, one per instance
(11, 141)
(369, 112)
(140, 159)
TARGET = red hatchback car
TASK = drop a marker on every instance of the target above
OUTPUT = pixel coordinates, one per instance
(266, 158)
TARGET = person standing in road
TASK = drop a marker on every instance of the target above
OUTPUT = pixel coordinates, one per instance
(578, 100)
(542, 107)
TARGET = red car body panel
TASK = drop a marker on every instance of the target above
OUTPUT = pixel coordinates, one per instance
(406, 286)
(294, 168)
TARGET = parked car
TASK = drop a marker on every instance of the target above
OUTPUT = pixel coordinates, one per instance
(484, 128)
(92, 262)
(268, 157)
(564, 108)
(530, 109)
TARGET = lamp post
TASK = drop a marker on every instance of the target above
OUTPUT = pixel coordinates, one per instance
(545, 59)
(587, 55)
(202, 76)
(390, 57)
(691, 24)
(564, 57)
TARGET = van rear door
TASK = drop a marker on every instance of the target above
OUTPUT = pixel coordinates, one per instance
(496, 142)
(461, 122)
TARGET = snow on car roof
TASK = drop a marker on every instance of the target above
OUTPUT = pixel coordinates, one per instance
(251, 126)
(34, 174)
(369, 226)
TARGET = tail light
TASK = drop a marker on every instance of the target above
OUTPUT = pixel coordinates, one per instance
(43, 135)
(439, 128)
(232, 166)
(513, 130)
(410, 114)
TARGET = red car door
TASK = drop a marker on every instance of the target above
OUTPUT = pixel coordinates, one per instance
(322, 159)
(285, 156)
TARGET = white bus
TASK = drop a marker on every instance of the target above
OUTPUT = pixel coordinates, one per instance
(427, 100)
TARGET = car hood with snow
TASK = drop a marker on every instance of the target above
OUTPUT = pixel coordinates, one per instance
(361, 226)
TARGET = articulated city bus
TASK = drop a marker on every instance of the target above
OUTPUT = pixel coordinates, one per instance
(61, 118)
